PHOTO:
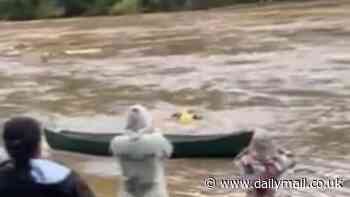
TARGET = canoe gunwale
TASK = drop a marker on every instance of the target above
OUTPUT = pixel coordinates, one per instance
(209, 145)
(179, 137)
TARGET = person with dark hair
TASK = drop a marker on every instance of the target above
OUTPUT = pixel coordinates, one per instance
(26, 174)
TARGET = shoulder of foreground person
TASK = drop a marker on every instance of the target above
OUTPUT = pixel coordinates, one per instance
(5, 166)
(3, 155)
(48, 178)
(52, 174)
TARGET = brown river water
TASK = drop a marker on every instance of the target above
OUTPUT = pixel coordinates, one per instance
(283, 68)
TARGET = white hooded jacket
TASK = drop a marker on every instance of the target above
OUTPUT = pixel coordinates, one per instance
(141, 154)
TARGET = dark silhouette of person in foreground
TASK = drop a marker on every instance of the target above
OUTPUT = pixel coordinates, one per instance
(26, 174)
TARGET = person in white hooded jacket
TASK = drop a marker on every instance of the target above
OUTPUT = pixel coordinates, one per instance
(141, 153)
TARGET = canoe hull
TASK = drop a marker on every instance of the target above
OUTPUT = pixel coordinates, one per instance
(185, 146)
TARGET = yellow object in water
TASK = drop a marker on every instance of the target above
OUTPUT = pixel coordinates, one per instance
(186, 118)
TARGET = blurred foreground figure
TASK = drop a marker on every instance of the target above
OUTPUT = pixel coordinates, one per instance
(3, 155)
(141, 154)
(263, 160)
(25, 174)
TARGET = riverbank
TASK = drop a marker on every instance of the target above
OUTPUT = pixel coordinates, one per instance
(40, 9)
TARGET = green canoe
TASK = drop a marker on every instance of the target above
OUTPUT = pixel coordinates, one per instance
(185, 146)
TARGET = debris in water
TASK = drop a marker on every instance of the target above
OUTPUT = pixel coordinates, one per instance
(83, 51)
(45, 57)
(13, 53)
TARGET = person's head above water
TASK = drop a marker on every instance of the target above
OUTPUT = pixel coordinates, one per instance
(22, 137)
(263, 146)
(138, 118)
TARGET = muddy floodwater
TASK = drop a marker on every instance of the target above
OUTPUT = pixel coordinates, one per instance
(283, 68)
